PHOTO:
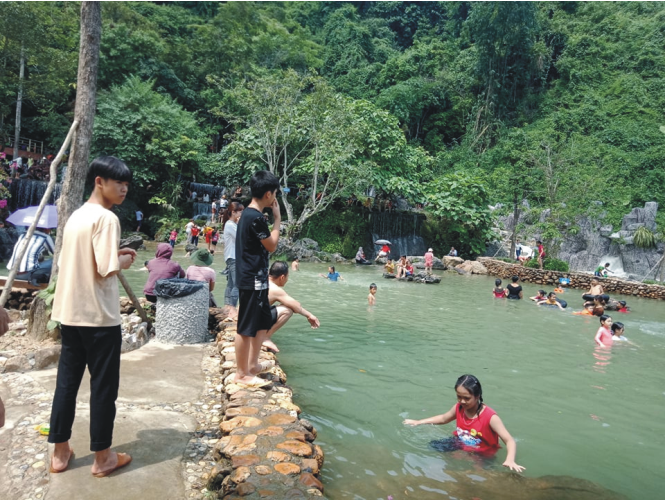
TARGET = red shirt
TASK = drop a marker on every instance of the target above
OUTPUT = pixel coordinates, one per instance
(475, 434)
(542, 252)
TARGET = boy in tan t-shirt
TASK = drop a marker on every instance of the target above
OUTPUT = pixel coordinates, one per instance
(87, 306)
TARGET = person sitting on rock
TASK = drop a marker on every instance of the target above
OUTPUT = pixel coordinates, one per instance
(400, 267)
(30, 268)
(389, 267)
(595, 289)
(159, 268)
(360, 256)
(453, 252)
(278, 275)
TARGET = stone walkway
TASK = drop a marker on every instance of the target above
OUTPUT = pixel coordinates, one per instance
(168, 420)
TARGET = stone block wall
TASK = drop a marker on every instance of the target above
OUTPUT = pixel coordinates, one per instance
(577, 280)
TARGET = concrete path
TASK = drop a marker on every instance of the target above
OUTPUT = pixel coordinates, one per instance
(153, 381)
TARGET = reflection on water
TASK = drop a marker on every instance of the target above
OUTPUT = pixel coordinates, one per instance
(367, 369)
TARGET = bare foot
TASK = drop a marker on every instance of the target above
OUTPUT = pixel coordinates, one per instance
(61, 456)
(268, 344)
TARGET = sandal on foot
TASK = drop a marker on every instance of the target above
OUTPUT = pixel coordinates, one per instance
(255, 383)
(53, 470)
(123, 460)
(266, 366)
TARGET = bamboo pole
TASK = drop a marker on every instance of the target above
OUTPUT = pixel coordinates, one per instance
(140, 310)
(23, 247)
(653, 268)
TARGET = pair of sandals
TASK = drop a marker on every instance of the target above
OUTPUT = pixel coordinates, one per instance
(123, 460)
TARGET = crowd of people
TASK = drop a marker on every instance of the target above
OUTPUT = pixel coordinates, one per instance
(26, 168)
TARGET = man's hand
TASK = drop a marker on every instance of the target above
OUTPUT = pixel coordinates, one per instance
(126, 257)
(276, 210)
(4, 321)
(314, 322)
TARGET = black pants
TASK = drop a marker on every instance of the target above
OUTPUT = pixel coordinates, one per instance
(99, 349)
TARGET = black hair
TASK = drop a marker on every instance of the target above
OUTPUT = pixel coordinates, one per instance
(616, 327)
(605, 298)
(472, 384)
(622, 303)
(542, 292)
(498, 282)
(108, 167)
(607, 264)
(373, 285)
(515, 279)
(332, 267)
(278, 269)
(539, 242)
(296, 258)
(603, 318)
(146, 263)
(234, 206)
(263, 182)
(552, 294)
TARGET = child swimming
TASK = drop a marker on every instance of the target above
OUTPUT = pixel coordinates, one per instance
(604, 337)
(541, 295)
(617, 329)
(587, 311)
(477, 425)
(371, 295)
(499, 292)
(551, 300)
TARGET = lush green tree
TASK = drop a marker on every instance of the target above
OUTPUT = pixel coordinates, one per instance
(148, 130)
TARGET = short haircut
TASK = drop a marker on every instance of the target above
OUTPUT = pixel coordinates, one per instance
(515, 279)
(332, 267)
(373, 285)
(617, 326)
(279, 268)
(108, 167)
(263, 182)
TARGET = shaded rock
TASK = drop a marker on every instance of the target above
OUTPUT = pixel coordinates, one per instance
(47, 356)
(134, 241)
(473, 267)
(17, 364)
(310, 465)
(451, 261)
(240, 475)
(245, 489)
(263, 470)
(310, 481)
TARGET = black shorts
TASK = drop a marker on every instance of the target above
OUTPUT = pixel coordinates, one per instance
(254, 312)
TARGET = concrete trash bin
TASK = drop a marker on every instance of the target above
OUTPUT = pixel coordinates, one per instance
(181, 319)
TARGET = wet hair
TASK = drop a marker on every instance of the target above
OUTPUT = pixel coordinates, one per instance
(552, 294)
(603, 318)
(472, 384)
(498, 282)
(108, 167)
(616, 327)
(296, 258)
(373, 285)
(278, 269)
(515, 279)
(607, 264)
(234, 206)
(146, 263)
(598, 311)
(542, 292)
(332, 267)
(263, 182)
(605, 298)
(622, 303)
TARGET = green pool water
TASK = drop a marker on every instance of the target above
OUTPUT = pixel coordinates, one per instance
(575, 410)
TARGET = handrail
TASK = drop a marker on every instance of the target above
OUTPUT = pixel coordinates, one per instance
(33, 146)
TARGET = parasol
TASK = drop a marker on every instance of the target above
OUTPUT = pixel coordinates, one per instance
(25, 217)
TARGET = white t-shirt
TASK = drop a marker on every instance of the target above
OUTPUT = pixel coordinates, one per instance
(188, 227)
(230, 240)
(224, 204)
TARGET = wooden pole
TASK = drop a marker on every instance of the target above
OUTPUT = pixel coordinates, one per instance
(23, 247)
(133, 298)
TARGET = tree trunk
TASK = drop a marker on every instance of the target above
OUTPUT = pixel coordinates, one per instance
(74, 183)
(516, 214)
(86, 103)
(19, 105)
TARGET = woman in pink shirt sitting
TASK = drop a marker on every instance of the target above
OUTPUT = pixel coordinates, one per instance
(199, 270)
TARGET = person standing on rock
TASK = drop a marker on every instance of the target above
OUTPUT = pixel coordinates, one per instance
(428, 261)
(278, 275)
(541, 254)
(230, 220)
(254, 241)
(86, 303)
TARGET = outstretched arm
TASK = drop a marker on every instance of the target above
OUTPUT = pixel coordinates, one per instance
(444, 418)
(279, 295)
(510, 462)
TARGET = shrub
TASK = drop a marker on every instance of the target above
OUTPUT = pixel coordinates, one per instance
(644, 238)
(549, 264)
(653, 282)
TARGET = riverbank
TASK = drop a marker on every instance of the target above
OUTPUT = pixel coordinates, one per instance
(576, 280)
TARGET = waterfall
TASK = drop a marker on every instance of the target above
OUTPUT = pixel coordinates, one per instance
(28, 193)
(615, 265)
(402, 230)
(205, 210)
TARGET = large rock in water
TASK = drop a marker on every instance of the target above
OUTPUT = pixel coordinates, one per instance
(450, 262)
(419, 262)
(472, 267)
(134, 242)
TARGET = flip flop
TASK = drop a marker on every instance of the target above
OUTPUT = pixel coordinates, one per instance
(123, 460)
(255, 383)
(53, 470)
(266, 366)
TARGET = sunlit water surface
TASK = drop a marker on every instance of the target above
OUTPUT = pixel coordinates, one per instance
(574, 409)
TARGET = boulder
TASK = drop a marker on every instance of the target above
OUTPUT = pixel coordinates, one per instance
(17, 364)
(451, 261)
(419, 262)
(473, 267)
(135, 241)
(47, 356)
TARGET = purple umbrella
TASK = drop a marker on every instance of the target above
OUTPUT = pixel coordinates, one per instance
(26, 216)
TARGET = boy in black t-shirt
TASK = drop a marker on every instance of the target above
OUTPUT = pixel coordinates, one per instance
(254, 241)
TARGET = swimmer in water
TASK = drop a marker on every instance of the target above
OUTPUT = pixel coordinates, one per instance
(617, 330)
(477, 425)
(551, 300)
(499, 292)
(541, 295)
(604, 337)
(371, 295)
(623, 308)
(587, 311)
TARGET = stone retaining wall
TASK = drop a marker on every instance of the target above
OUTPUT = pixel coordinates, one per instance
(266, 451)
(577, 280)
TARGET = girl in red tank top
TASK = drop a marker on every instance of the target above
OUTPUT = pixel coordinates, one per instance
(478, 427)
(498, 291)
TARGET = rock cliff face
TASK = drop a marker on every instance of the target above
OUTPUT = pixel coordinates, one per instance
(594, 243)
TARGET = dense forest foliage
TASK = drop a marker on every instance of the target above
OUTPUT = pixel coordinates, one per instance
(453, 104)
